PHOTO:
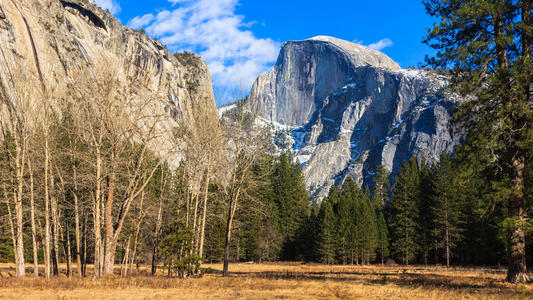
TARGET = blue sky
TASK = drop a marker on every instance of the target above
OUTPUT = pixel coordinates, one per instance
(240, 39)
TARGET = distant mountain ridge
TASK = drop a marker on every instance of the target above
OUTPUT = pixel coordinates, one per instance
(343, 109)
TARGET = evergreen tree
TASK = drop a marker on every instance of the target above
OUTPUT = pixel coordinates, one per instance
(380, 198)
(334, 196)
(405, 212)
(380, 194)
(447, 206)
(425, 222)
(368, 228)
(484, 239)
(383, 237)
(326, 233)
(351, 196)
(487, 46)
(257, 221)
(176, 247)
(344, 210)
(291, 199)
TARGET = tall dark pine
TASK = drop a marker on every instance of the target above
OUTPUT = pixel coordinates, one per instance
(344, 210)
(486, 45)
(426, 239)
(405, 212)
(447, 208)
(290, 196)
(326, 233)
(368, 228)
(380, 198)
(383, 237)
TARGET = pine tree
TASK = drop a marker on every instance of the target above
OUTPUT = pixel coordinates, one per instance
(380, 194)
(383, 237)
(344, 209)
(405, 212)
(447, 206)
(351, 196)
(487, 47)
(368, 228)
(290, 195)
(326, 233)
(380, 198)
(425, 214)
(484, 241)
(334, 196)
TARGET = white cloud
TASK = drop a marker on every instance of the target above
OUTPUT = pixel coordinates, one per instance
(212, 29)
(141, 21)
(111, 5)
(381, 44)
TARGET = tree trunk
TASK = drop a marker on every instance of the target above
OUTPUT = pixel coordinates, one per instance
(55, 229)
(66, 248)
(156, 234)
(47, 251)
(69, 254)
(154, 254)
(231, 214)
(195, 216)
(109, 258)
(140, 218)
(126, 258)
(202, 229)
(108, 223)
(225, 270)
(135, 188)
(77, 222)
(516, 270)
(11, 225)
(55, 266)
(96, 217)
(134, 252)
(19, 246)
(188, 208)
(501, 52)
(33, 227)
(84, 249)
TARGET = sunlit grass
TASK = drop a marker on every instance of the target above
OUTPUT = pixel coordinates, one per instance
(278, 281)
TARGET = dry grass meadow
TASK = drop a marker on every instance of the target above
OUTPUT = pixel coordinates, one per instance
(279, 281)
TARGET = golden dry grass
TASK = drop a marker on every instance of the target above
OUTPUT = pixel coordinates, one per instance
(279, 281)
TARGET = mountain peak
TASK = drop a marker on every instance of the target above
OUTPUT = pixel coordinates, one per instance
(343, 109)
(362, 55)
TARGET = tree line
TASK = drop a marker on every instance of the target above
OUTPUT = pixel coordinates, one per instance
(439, 214)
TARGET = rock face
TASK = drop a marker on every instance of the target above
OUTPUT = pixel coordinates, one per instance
(52, 39)
(344, 109)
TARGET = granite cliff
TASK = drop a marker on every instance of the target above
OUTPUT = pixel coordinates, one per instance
(52, 40)
(343, 109)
